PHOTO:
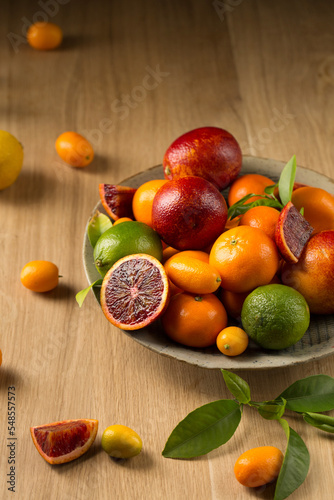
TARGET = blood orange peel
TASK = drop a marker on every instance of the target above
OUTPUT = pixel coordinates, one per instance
(134, 292)
(61, 442)
(292, 233)
(117, 200)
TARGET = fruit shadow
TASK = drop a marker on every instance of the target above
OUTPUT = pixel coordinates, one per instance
(29, 188)
(9, 377)
(100, 165)
(63, 292)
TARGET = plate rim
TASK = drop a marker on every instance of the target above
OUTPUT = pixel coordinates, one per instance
(169, 347)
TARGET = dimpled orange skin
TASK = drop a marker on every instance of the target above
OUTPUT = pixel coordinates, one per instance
(191, 274)
(318, 207)
(245, 258)
(264, 218)
(313, 274)
(209, 152)
(74, 149)
(44, 36)
(40, 276)
(194, 320)
(248, 184)
(258, 466)
(189, 213)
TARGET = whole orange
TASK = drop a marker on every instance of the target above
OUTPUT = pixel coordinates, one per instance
(245, 258)
(313, 274)
(44, 36)
(208, 152)
(189, 213)
(248, 184)
(318, 207)
(194, 320)
(74, 149)
(264, 218)
(40, 276)
(143, 200)
(258, 466)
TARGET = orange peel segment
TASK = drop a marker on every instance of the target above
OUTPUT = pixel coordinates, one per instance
(61, 442)
(292, 233)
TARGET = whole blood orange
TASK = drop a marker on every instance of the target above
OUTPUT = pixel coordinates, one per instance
(245, 258)
(209, 152)
(189, 213)
(313, 274)
(64, 441)
(134, 292)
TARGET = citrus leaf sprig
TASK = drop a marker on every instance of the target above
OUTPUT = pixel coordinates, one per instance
(213, 424)
(285, 188)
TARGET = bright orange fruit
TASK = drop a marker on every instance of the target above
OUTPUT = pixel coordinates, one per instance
(262, 217)
(194, 320)
(318, 207)
(143, 200)
(74, 149)
(248, 184)
(44, 36)
(40, 276)
(258, 466)
(245, 258)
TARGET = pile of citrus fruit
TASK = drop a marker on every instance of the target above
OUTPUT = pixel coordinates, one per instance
(214, 270)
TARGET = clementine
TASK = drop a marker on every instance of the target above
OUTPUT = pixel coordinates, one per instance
(194, 320)
(264, 218)
(245, 258)
(143, 200)
(248, 184)
(318, 207)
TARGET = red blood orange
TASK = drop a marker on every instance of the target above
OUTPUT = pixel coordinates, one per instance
(313, 275)
(64, 441)
(292, 233)
(189, 213)
(134, 292)
(209, 152)
(117, 200)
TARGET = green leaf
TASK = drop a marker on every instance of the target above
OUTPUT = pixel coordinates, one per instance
(80, 296)
(237, 386)
(240, 207)
(98, 224)
(270, 189)
(295, 464)
(203, 430)
(314, 393)
(286, 180)
(272, 410)
(322, 422)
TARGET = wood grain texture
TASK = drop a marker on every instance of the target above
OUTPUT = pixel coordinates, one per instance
(132, 76)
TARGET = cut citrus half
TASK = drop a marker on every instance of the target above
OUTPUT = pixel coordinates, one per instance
(134, 291)
(117, 200)
(292, 233)
(62, 442)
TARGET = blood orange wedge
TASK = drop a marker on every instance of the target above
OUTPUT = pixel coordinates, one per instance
(292, 233)
(134, 291)
(61, 442)
(117, 200)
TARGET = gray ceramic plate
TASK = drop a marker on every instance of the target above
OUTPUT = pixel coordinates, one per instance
(317, 342)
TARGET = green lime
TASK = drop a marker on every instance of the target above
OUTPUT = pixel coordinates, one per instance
(275, 316)
(125, 239)
(11, 159)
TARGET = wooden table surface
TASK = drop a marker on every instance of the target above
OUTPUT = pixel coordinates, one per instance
(132, 76)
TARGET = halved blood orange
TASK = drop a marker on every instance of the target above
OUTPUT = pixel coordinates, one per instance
(61, 442)
(135, 291)
(292, 233)
(117, 200)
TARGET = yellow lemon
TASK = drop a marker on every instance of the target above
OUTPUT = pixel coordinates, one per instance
(120, 441)
(11, 159)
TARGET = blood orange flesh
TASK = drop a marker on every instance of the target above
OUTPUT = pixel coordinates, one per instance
(117, 200)
(134, 292)
(292, 233)
(64, 441)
